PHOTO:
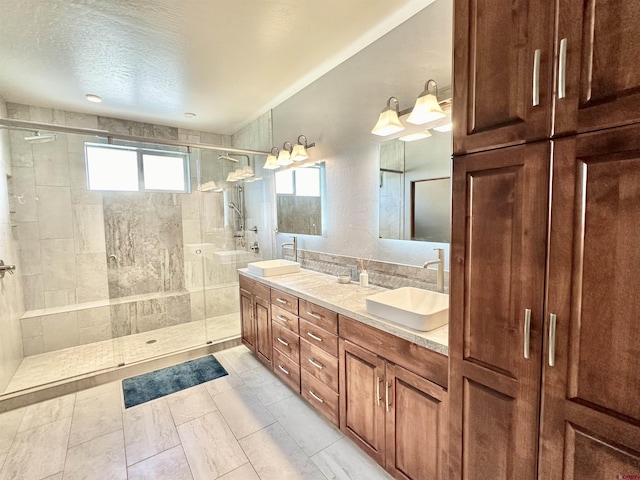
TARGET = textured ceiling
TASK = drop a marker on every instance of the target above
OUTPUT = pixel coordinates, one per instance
(152, 60)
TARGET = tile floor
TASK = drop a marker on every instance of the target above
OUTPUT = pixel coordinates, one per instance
(244, 426)
(70, 362)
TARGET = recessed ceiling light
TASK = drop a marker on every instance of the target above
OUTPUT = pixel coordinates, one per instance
(189, 114)
(93, 98)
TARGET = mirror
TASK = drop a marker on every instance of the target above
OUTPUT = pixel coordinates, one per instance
(299, 199)
(415, 189)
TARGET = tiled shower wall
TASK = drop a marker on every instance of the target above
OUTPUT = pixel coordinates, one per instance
(66, 234)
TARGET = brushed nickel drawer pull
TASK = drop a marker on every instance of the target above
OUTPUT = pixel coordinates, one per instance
(280, 317)
(562, 69)
(536, 78)
(284, 370)
(279, 300)
(315, 315)
(316, 364)
(315, 337)
(527, 331)
(387, 395)
(378, 391)
(286, 344)
(552, 339)
(316, 397)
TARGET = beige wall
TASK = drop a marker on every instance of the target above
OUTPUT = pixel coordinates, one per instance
(338, 112)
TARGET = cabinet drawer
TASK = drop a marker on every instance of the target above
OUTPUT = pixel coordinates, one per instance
(320, 316)
(286, 342)
(321, 397)
(285, 301)
(287, 370)
(319, 337)
(256, 288)
(284, 318)
(426, 363)
(320, 364)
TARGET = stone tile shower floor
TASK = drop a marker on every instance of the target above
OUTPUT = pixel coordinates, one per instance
(71, 362)
(245, 426)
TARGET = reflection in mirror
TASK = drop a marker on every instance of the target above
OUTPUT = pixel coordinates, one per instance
(299, 194)
(430, 219)
(415, 189)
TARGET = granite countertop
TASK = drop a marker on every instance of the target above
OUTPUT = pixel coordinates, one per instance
(350, 300)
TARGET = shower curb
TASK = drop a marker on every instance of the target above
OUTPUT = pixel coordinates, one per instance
(12, 401)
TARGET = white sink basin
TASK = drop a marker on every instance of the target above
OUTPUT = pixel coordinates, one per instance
(411, 307)
(269, 268)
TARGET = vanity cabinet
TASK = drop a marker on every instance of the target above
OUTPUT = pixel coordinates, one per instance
(319, 359)
(519, 80)
(398, 417)
(285, 339)
(255, 318)
(572, 342)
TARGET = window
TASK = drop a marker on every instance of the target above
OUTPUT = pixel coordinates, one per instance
(301, 182)
(130, 169)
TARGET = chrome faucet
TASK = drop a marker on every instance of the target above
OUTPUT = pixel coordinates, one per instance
(294, 244)
(440, 263)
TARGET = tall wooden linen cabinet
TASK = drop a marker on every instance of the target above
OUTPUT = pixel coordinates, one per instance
(545, 257)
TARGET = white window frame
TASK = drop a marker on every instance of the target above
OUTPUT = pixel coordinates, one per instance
(140, 151)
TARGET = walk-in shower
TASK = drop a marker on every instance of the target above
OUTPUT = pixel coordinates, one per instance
(111, 279)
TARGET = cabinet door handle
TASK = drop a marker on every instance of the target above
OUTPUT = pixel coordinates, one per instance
(316, 396)
(280, 317)
(527, 331)
(279, 300)
(387, 385)
(562, 69)
(378, 391)
(315, 315)
(286, 344)
(536, 77)
(284, 370)
(316, 364)
(315, 337)
(552, 339)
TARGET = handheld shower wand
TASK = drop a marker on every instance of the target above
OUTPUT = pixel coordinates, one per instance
(233, 205)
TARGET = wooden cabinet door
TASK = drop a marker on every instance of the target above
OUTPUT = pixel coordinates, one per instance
(362, 411)
(494, 58)
(602, 70)
(416, 426)
(591, 395)
(263, 330)
(247, 320)
(500, 200)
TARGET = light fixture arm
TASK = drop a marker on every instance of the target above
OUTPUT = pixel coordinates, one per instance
(430, 82)
(284, 146)
(306, 145)
(397, 106)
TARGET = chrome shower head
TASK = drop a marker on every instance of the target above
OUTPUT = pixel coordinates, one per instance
(227, 157)
(39, 137)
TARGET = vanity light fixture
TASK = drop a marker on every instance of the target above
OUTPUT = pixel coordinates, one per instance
(247, 172)
(388, 121)
(272, 161)
(444, 128)
(427, 109)
(415, 136)
(210, 186)
(284, 157)
(299, 152)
